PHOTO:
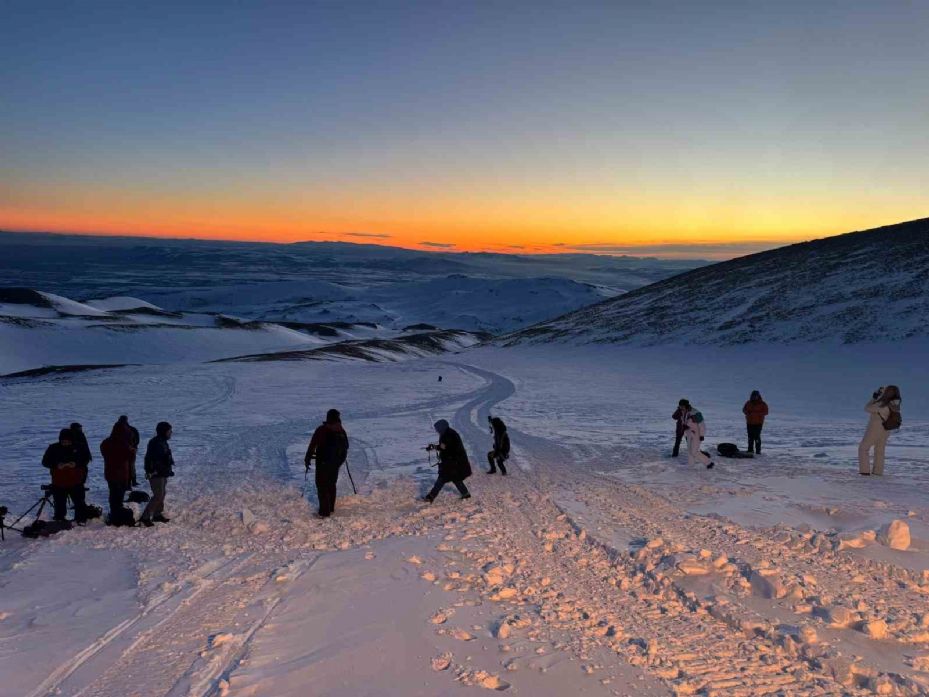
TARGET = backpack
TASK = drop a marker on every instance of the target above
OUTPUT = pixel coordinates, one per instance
(696, 416)
(334, 449)
(893, 421)
(121, 516)
(727, 449)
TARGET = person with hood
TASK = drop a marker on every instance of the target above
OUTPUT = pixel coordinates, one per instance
(680, 416)
(329, 445)
(755, 410)
(62, 460)
(695, 432)
(134, 440)
(159, 465)
(884, 410)
(79, 440)
(454, 465)
(501, 452)
(117, 454)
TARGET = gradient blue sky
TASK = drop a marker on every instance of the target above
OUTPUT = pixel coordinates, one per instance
(481, 125)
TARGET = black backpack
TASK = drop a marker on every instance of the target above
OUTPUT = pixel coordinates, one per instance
(893, 421)
(731, 450)
(334, 449)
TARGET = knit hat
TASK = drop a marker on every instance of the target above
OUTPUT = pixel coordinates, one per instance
(65, 434)
(333, 416)
(440, 426)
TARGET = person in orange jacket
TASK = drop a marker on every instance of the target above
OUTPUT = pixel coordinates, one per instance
(755, 410)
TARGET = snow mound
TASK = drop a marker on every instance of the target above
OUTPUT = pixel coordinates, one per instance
(122, 303)
(852, 288)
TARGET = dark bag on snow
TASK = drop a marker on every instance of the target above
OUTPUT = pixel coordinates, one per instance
(122, 516)
(91, 512)
(893, 421)
(45, 528)
(731, 450)
(137, 496)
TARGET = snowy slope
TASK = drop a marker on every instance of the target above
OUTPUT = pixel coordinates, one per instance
(862, 286)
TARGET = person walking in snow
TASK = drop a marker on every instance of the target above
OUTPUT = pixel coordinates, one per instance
(84, 457)
(755, 410)
(61, 459)
(884, 410)
(159, 465)
(134, 440)
(501, 452)
(117, 454)
(329, 445)
(695, 432)
(454, 465)
(679, 416)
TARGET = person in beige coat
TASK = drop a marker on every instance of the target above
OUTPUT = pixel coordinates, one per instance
(882, 403)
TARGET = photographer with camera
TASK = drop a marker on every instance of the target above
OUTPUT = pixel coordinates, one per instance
(159, 465)
(884, 410)
(62, 460)
(454, 465)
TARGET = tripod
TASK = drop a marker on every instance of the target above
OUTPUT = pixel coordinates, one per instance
(46, 497)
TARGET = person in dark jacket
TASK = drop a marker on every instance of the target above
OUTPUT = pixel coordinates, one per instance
(159, 465)
(501, 452)
(134, 440)
(454, 465)
(116, 456)
(680, 416)
(62, 460)
(329, 446)
(755, 410)
(79, 440)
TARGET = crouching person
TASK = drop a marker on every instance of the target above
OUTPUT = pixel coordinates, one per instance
(117, 454)
(62, 460)
(454, 465)
(159, 465)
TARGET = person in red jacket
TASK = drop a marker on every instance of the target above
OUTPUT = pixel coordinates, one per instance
(755, 410)
(329, 445)
(117, 453)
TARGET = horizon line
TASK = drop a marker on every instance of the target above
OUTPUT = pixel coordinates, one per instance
(698, 250)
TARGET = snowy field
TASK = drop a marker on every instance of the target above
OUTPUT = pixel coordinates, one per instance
(599, 567)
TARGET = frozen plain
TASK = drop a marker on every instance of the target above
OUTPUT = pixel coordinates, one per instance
(600, 566)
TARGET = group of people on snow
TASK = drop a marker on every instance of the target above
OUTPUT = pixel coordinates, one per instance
(329, 448)
(883, 407)
(68, 461)
(69, 458)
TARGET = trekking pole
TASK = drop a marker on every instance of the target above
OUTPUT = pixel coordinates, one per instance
(350, 477)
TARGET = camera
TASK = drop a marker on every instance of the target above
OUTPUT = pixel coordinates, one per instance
(878, 392)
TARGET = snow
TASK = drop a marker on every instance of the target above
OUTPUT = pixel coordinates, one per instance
(599, 566)
(121, 304)
(868, 286)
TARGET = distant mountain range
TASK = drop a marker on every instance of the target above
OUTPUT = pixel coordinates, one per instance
(325, 281)
(863, 286)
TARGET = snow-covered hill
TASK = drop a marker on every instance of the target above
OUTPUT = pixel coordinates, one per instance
(42, 332)
(868, 286)
(324, 281)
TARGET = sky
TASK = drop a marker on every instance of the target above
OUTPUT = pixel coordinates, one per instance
(668, 128)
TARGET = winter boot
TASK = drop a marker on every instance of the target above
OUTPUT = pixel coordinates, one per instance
(159, 518)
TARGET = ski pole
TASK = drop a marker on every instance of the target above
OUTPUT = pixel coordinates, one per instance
(350, 477)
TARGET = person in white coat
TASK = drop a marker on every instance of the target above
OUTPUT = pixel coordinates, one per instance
(884, 401)
(695, 432)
